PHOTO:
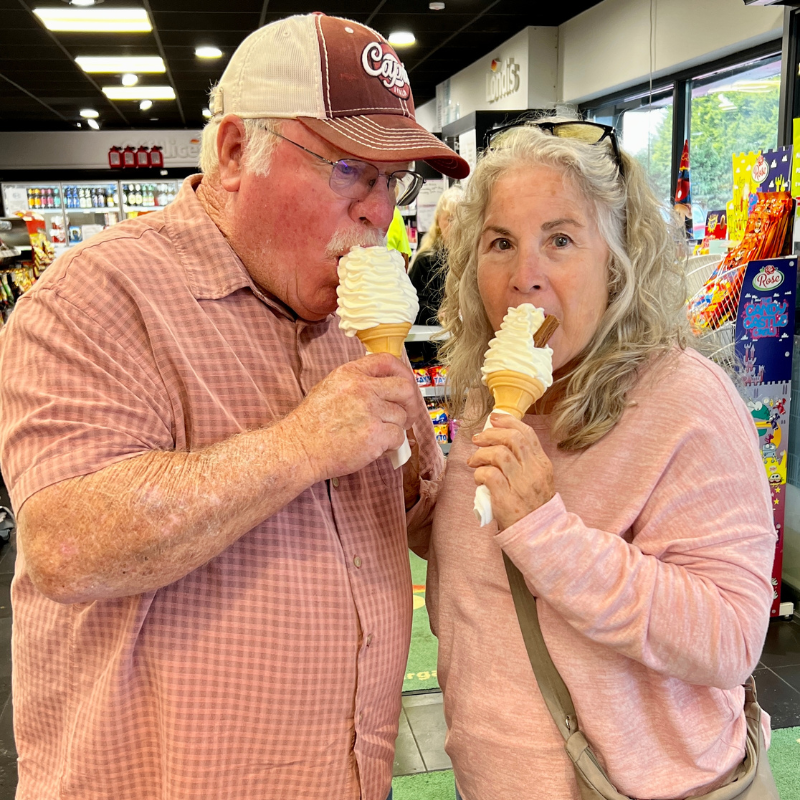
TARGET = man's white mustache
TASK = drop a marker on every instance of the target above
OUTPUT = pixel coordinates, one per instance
(343, 240)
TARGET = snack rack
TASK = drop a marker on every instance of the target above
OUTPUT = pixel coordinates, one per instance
(432, 383)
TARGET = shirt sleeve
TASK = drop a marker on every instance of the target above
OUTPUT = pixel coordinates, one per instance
(75, 397)
(687, 590)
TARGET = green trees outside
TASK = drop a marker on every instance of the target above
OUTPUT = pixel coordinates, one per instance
(722, 123)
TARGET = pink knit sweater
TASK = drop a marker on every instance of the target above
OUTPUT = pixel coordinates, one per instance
(652, 568)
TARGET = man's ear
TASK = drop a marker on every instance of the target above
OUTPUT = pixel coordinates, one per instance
(231, 140)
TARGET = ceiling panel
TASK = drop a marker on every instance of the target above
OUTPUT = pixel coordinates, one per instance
(42, 62)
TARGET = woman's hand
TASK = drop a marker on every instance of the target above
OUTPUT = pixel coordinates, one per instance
(511, 463)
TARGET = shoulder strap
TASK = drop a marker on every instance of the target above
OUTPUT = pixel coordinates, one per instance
(553, 689)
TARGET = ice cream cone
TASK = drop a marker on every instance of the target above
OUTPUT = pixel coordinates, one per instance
(385, 338)
(514, 392)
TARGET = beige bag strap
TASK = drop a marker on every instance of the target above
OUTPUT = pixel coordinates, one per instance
(592, 781)
(752, 781)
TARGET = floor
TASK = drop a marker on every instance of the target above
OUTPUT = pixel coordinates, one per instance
(420, 742)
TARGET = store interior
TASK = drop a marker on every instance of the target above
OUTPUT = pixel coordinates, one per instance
(84, 147)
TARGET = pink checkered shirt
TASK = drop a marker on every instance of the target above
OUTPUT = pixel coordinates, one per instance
(275, 670)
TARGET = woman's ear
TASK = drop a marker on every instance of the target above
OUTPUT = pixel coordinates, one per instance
(231, 139)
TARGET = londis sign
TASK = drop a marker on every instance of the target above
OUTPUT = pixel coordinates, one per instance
(768, 278)
(502, 80)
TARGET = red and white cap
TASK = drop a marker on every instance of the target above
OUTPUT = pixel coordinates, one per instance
(341, 80)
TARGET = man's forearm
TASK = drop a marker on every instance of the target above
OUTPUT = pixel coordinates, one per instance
(148, 521)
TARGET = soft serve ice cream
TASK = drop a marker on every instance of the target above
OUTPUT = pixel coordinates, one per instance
(374, 289)
(517, 373)
(513, 347)
(378, 303)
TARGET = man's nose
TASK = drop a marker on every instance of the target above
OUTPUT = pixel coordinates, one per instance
(377, 208)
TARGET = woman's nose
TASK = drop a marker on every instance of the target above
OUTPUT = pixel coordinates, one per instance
(528, 276)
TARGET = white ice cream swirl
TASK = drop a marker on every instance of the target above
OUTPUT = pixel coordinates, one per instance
(513, 348)
(374, 289)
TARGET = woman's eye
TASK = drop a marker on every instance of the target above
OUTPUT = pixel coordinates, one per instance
(501, 244)
(559, 240)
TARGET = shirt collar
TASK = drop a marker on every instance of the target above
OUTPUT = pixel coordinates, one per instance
(213, 270)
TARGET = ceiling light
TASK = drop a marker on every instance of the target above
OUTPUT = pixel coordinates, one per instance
(92, 123)
(94, 19)
(89, 113)
(117, 64)
(436, 6)
(207, 52)
(82, 2)
(145, 105)
(402, 38)
(207, 113)
(139, 92)
(129, 79)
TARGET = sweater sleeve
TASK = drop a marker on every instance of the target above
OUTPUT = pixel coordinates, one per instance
(686, 590)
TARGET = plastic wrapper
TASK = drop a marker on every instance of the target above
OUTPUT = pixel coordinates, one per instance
(717, 300)
(422, 377)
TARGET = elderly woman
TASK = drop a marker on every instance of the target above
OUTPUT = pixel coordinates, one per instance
(632, 497)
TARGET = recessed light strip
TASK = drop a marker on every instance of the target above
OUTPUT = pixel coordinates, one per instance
(95, 20)
(116, 64)
(139, 92)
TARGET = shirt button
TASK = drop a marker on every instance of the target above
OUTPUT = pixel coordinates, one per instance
(357, 562)
(369, 640)
(360, 716)
(335, 482)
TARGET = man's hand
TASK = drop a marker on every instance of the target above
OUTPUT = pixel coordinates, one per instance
(355, 415)
(511, 463)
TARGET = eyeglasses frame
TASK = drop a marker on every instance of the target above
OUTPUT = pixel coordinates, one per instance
(419, 178)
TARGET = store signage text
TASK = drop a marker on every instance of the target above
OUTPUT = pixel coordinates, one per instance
(502, 80)
(764, 318)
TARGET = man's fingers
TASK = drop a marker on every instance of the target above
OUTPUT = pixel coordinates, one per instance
(380, 365)
(403, 391)
(391, 413)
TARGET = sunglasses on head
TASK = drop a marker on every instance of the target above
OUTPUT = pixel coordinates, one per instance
(586, 132)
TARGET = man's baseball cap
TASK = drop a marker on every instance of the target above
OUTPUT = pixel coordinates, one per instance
(341, 80)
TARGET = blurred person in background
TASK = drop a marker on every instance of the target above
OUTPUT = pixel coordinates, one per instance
(428, 267)
(632, 497)
(397, 236)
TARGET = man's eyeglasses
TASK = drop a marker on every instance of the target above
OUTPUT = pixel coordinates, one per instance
(588, 132)
(354, 179)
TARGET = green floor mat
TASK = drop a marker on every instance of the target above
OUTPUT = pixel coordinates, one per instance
(421, 668)
(784, 758)
(428, 786)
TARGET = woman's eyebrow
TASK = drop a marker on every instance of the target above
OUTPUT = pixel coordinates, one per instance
(496, 229)
(557, 223)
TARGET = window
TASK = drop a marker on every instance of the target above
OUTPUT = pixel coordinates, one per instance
(644, 126)
(733, 111)
(726, 107)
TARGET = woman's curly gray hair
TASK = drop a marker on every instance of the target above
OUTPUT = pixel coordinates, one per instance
(646, 286)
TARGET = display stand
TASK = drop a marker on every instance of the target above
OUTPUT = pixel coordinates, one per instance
(763, 346)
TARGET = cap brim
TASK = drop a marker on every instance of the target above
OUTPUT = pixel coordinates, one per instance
(388, 137)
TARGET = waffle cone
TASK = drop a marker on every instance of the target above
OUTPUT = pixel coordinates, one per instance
(514, 392)
(385, 338)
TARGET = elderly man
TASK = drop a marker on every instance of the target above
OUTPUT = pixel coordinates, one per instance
(212, 598)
